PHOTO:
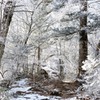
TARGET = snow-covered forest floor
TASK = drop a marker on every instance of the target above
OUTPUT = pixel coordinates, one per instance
(43, 89)
(23, 89)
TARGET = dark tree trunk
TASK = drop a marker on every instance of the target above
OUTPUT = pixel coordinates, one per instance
(97, 50)
(4, 25)
(38, 56)
(83, 41)
(61, 76)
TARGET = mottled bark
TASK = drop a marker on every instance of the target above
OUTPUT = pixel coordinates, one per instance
(97, 49)
(38, 57)
(61, 68)
(2, 46)
(5, 23)
(83, 41)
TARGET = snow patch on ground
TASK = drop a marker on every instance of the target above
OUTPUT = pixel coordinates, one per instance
(35, 97)
(22, 85)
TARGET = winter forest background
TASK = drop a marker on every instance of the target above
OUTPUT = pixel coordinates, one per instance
(54, 41)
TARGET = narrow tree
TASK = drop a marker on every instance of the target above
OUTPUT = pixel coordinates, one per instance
(97, 49)
(83, 38)
(4, 24)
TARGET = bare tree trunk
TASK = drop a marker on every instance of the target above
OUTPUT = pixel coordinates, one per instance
(83, 41)
(61, 75)
(5, 23)
(38, 57)
(97, 50)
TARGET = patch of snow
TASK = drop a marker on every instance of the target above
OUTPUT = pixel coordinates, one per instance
(21, 85)
(23, 89)
(74, 98)
(22, 82)
(35, 97)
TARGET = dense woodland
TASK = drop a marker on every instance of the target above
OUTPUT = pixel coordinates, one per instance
(52, 46)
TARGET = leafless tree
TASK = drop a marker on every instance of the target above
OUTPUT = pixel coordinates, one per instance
(5, 23)
(83, 41)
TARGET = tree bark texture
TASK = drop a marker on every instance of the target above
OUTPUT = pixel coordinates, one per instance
(4, 25)
(97, 50)
(83, 41)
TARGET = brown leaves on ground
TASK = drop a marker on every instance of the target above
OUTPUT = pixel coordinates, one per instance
(53, 87)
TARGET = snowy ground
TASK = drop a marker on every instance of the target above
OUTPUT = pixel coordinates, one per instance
(20, 91)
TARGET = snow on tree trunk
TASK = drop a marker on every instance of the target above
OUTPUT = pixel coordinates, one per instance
(97, 50)
(83, 48)
(4, 25)
(92, 78)
(6, 20)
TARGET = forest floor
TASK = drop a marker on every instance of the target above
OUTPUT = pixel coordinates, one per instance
(42, 89)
